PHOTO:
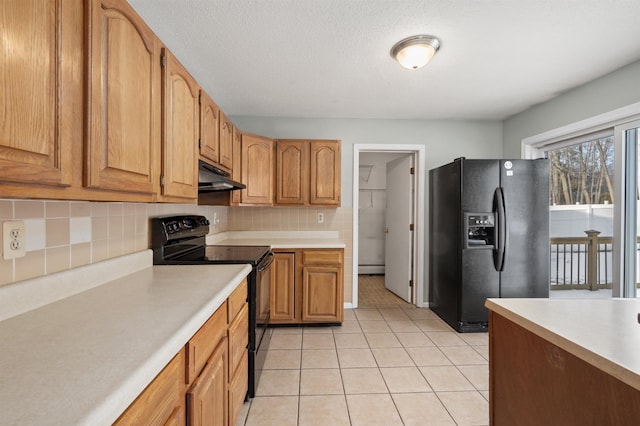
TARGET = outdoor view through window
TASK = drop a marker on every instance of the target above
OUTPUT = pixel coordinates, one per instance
(581, 211)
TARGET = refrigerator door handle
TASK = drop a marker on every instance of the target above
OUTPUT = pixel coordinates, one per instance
(500, 250)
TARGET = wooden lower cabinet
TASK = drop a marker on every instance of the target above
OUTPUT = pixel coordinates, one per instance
(207, 397)
(238, 377)
(238, 387)
(307, 286)
(207, 381)
(532, 381)
(282, 294)
(321, 294)
(162, 402)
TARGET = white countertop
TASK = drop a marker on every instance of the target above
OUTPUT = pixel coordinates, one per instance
(602, 332)
(279, 239)
(84, 359)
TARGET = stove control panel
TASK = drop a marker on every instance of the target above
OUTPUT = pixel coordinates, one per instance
(168, 228)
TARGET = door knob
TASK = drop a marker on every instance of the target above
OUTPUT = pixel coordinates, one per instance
(386, 230)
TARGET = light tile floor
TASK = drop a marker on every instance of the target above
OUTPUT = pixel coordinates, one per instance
(384, 366)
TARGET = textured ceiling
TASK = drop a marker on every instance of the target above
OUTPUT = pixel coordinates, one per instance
(330, 58)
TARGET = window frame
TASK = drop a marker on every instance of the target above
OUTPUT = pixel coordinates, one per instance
(614, 122)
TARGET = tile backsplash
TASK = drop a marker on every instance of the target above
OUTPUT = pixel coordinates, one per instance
(299, 219)
(65, 234)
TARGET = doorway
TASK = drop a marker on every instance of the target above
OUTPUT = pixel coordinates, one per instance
(372, 232)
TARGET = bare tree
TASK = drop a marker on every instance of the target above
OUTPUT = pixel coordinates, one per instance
(603, 163)
(582, 172)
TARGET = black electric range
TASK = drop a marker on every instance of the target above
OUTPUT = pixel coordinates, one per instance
(181, 240)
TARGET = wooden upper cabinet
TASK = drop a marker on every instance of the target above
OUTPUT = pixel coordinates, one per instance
(180, 130)
(257, 170)
(209, 128)
(308, 172)
(124, 100)
(41, 65)
(292, 172)
(236, 172)
(325, 173)
(226, 142)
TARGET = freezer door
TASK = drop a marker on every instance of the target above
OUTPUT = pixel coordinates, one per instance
(525, 184)
(444, 242)
(480, 279)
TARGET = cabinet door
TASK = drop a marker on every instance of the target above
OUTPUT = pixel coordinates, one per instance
(162, 402)
(209, 128)
(226, 143)
(283, 288)
(257, 170)
(325, 173)
(41, 67)
(124, 99)
(322, 294)
(180, 130)
(207, 398)
(236, 172)
(292, 173)
(238, 386)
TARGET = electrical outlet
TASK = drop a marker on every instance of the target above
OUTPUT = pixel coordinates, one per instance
(13, 239)
(320, 217)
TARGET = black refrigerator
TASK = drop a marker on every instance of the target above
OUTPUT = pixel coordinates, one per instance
(488, 236)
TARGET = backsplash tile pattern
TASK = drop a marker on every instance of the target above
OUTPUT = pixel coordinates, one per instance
(299, 219)
(66, 234)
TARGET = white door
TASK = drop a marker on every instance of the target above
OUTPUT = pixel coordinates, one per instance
(398, 243)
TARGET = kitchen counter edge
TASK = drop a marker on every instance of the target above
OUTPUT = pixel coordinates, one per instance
(602, 332)
(91, 382)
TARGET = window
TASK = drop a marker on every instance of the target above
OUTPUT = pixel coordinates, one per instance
(595, 183)
(581, 181)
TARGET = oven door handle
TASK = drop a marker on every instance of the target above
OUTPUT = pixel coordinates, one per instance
(266, 262)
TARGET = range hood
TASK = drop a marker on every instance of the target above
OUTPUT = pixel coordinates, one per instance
(211, 178)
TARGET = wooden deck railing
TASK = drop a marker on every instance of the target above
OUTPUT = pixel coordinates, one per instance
(581, 262)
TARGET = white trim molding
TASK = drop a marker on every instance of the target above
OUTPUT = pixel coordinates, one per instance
(419, 214)
(613, 122)
(530, 146)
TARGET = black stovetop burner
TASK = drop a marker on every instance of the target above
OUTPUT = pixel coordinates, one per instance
(248, 254)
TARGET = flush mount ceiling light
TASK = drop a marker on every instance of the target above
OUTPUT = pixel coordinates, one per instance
(416, 51)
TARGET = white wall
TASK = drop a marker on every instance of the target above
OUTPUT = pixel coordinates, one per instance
(615, 90)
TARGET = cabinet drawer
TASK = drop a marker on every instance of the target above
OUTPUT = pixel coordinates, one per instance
(202, 344)
(322, 257)
(238, 386)
(162, 401)
(238, 339)
(237, 300)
